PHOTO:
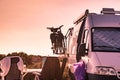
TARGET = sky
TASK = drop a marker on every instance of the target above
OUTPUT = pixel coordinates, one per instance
(23, 23)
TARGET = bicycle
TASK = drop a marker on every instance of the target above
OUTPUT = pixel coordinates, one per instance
(57, 40)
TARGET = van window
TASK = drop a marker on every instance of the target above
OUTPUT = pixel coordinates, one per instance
(85, 36)
(106, 39)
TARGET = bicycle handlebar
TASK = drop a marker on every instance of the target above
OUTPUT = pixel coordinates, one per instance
(52, 28)
(61, 26)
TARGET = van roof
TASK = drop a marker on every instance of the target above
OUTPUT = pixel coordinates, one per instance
(108, 18)
(104, 20)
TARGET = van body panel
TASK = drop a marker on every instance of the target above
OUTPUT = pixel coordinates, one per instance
(102, 59)
(109, 59)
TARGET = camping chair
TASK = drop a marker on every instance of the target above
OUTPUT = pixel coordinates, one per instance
(12, 68)
(52, 70)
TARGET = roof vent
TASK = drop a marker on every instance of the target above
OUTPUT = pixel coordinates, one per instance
(109, 11)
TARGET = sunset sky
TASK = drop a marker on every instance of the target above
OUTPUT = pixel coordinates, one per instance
(23, 22)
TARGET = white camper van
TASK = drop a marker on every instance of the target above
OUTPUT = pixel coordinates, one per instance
(96, 41)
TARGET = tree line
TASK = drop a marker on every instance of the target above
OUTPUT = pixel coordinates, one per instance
(27, 59)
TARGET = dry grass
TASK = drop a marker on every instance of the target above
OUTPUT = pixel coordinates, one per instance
(36, 65)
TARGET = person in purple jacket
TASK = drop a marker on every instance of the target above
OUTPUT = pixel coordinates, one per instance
(79, 71)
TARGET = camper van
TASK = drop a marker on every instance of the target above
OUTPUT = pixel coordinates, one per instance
(95, 40)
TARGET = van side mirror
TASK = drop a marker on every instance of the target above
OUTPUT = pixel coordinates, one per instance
(80, 51)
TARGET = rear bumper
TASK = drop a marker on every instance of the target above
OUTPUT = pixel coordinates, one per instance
(101, 77)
